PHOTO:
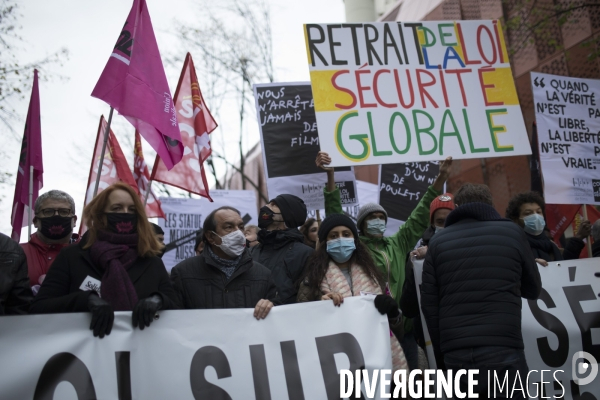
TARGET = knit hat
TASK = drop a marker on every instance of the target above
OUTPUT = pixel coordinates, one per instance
(445, 200)
(333, 220)
(367, 209)
(293, 209)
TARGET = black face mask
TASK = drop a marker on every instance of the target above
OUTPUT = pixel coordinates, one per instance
(56, 227)
(265, 217)
(123, 223)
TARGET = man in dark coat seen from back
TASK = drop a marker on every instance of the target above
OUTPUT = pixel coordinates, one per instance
(281, 246)
(476, 270)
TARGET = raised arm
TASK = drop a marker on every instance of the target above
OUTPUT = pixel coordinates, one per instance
(333, 203)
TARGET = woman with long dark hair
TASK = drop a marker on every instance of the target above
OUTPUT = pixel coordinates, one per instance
(343, 267)
(113, 268)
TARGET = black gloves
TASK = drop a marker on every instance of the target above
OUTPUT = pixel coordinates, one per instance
(102, 315)
(144, 311)
(387, 305)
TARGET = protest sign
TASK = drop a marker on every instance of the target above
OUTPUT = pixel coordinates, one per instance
(556, 328)
(185, 216)
(290, 143)
(182, 356)
(396, 92)
(567, 112)
(401, 187)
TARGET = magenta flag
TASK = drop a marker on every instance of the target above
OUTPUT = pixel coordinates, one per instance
(134, 83)
(31, 155)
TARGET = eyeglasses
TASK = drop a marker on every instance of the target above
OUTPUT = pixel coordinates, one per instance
(49, 212)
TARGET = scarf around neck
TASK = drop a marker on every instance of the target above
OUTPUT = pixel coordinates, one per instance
(227, 266)
(336, 282)
(543, 247)
(114, 254)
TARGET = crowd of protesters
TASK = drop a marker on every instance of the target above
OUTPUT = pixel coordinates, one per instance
(477, 265)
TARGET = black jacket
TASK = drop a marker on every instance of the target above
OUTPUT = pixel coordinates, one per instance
(15, 293)
(596, 249)
(285, 254)
(475, 273)
(200, 284)
(60, 291)
(573, 248)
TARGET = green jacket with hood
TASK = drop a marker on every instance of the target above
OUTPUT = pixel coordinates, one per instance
(390, 253)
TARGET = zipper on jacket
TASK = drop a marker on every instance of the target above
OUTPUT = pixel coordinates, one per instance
(387, 264)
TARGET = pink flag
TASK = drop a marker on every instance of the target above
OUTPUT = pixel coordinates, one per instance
(142, 176)
(114, 166)
(196, 123)
(31, 156)
(134, 83)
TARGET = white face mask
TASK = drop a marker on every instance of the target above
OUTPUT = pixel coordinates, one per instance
(232, 244)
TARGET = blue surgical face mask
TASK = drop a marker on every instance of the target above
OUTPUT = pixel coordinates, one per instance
(341, 249)
(438, 228)
(375, 226)
(534, 224)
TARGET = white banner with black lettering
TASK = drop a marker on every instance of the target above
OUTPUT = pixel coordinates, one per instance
(557, 327)
(567, 112)
(296, 353)
(186, 216)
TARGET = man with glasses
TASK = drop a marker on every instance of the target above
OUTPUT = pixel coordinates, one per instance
(54, 219)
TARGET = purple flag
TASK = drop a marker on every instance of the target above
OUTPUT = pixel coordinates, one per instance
(134, 83)
(31, 155)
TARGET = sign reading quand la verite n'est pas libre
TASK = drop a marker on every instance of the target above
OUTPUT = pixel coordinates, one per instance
(398, 92)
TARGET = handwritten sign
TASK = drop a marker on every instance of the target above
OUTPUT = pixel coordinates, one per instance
(396, 92)
(402, 186)
(567, 111)
(290, 142)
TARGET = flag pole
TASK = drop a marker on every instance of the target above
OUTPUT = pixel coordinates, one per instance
(30, 202)
(101, 161)
(148, 192)
(589, 239)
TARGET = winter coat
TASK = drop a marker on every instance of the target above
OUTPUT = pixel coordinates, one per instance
(335, 282)
(284, 253)
(15, 293)
(40, 256)
(596, 249)
(200, 284)
(476, 270)
(573, 248)
(389, 253)
(61, 291)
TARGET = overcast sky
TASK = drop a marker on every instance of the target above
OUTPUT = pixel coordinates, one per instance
(89, 29)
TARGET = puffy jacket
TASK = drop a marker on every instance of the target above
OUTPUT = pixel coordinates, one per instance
(389, 253)
(40, 256)
(284, 253)
(200, 284)
(475, 273)
(61, 291)
(15, 293)
(596, 249)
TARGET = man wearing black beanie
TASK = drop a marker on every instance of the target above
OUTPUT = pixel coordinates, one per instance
(281, 247)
